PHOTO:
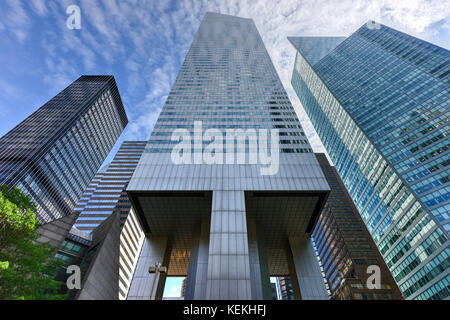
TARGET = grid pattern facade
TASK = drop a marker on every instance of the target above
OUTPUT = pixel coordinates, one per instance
(106, 192)
(53, 154)
(228, 81)
(380, 103)
(131, 240)
(345, 247)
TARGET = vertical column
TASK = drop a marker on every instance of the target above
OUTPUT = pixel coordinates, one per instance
(144, 285)
(161, 281)
(228, 262)
(310, 279)
(198, 263)
(259, 267)
(293, 274)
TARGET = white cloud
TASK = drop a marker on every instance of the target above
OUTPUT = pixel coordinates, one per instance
(39, 7)
(61, 74)
(275, 19)
(15, 19)
(149, 39)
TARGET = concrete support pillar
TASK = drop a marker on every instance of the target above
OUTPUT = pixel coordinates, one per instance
(162, 276)
(259, 267)
(293, 274)
(198, 263)
(228, 262)
(310, 279)
(146, 286)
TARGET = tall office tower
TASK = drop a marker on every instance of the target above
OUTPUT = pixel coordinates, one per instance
(105, 195)
(379, 101)
(54, 153)
(346, 249)
(227, 223)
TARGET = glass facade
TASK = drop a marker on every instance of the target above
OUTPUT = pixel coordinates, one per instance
(74, 250)
(345, 247)
(228, 81)
(380, 103)
(53, 154)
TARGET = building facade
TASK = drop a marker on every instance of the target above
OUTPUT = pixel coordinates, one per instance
(97, 256)
(218, 216)
(346, 249)
(54, 153)
(379, 100)
(106, 195)
(284, 288)
(106, 192)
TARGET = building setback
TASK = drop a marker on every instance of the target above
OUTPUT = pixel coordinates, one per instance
(54, 153)
(380, 100)
(345, 247)
(106, 195)
(229, 225)
(106, 192)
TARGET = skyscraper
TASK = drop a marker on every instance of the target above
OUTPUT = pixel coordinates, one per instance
(227, 222)
(54, 153)
(346, 249)
(379, 100)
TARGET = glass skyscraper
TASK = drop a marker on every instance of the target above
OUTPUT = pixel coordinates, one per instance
(346, 249)
(379, 100)
(54, 153)
(228, 225)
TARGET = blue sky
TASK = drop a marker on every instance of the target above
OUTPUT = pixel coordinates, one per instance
(143, 43)
(173, 286)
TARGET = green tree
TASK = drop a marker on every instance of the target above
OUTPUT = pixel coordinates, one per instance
(27, 268)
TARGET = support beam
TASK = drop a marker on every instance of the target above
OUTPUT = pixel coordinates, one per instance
(259, 267)
(198, 263)
(228, 262)
(310, 279)
(293, 274)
